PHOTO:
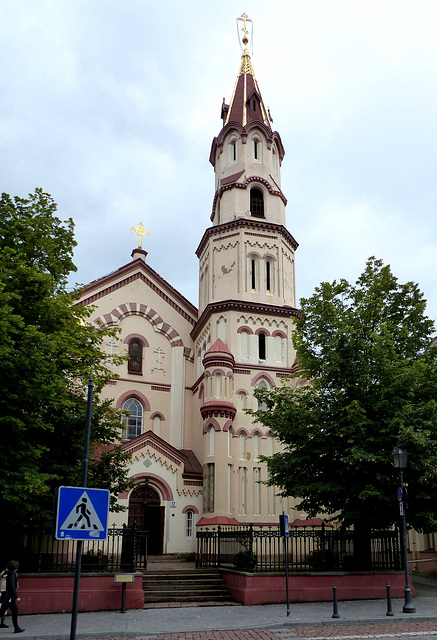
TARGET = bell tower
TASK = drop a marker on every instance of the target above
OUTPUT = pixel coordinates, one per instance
(247, 254)
(246, 299)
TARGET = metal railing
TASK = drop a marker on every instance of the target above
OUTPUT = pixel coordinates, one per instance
(125, 549)
(257, 548)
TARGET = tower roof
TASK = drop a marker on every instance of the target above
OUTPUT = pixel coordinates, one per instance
(246, 104)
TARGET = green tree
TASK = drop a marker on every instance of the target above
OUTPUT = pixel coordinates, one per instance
(367, 381)
(48, 350)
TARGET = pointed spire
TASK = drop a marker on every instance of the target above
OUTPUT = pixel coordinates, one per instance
(246, 104)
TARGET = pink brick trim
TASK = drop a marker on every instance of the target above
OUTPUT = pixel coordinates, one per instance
(190, 507)
(260, 376)
(133, 394)
(228, 426)
(157, 414)
(157, 482)
(131, 309)
(136, 336)
(216, 371)
(244, 328)
(211, 422)
(258, 331)
(256, 432)
(278, 332)
(242, 391)
(242, 432)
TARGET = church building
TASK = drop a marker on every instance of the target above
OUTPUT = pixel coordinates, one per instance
(192, 371)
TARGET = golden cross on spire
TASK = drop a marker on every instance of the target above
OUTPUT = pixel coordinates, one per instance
(245, 18)
(140, 231)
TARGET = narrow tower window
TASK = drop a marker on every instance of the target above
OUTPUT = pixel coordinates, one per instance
(232, 152)
(256, 203)
(256, 149)
(268, 276)
(262, 346)
(135, 363)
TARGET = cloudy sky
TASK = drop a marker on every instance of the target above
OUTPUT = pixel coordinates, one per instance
(111, 107)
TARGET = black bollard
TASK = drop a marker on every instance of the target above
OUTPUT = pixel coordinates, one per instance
(389, 609)
(334, 602)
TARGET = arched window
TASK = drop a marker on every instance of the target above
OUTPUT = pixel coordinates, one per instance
(262, 345)
(262, 384)
(132, 423)
(242, 400)
(256, 149)
(256, 203)
(189, 517)
(211, 440)
(135, 362)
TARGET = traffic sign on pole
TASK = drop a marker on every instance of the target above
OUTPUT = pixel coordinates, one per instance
(82, 514)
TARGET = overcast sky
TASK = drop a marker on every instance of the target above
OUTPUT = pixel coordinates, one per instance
(111, 107)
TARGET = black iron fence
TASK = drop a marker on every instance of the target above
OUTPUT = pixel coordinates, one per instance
(125, 549)
(258, 548)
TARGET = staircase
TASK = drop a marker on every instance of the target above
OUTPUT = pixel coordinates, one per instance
(169, 579)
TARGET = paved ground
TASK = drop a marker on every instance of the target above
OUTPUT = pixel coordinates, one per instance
(358, 619)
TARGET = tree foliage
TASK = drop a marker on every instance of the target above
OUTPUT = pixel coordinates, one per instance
(48, 350)
(367, 382)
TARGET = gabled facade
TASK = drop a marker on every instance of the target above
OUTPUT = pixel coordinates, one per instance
(192, 372)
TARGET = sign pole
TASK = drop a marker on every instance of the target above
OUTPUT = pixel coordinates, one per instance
(284, 531)
(86, 448)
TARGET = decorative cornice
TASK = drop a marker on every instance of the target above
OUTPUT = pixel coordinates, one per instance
(239, 305)
(218, 408)
(245, 223)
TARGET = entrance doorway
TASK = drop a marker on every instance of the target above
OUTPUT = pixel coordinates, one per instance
(146, 510)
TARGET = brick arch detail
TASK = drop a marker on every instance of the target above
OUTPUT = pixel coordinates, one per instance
(257, 432)
(260, 376)
(278, 332)
(190, 507)
(244, 328)
(133, 394)
(242, 432)
(136, 336)
(211, 422)
(156, 482)
(117, 314)
(228, 426)
(159, 415)
(262, 330)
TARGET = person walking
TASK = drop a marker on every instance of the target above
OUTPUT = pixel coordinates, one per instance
(10, 597)
(3, 625)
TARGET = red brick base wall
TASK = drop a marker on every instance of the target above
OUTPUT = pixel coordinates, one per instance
(265, 589)
(48, 593)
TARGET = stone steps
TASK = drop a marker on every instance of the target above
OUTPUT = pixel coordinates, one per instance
(198, 585)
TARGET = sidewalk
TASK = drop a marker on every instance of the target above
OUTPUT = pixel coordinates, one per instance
(147, 623)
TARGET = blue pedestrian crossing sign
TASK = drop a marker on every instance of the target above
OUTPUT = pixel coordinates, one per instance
(82, 514)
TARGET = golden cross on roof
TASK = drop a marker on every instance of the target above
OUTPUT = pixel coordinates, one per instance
(245, 18)
(140, 231)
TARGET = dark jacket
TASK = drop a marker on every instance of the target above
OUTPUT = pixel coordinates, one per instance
(11, 586)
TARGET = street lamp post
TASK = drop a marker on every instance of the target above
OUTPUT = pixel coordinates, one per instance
(400, 460)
